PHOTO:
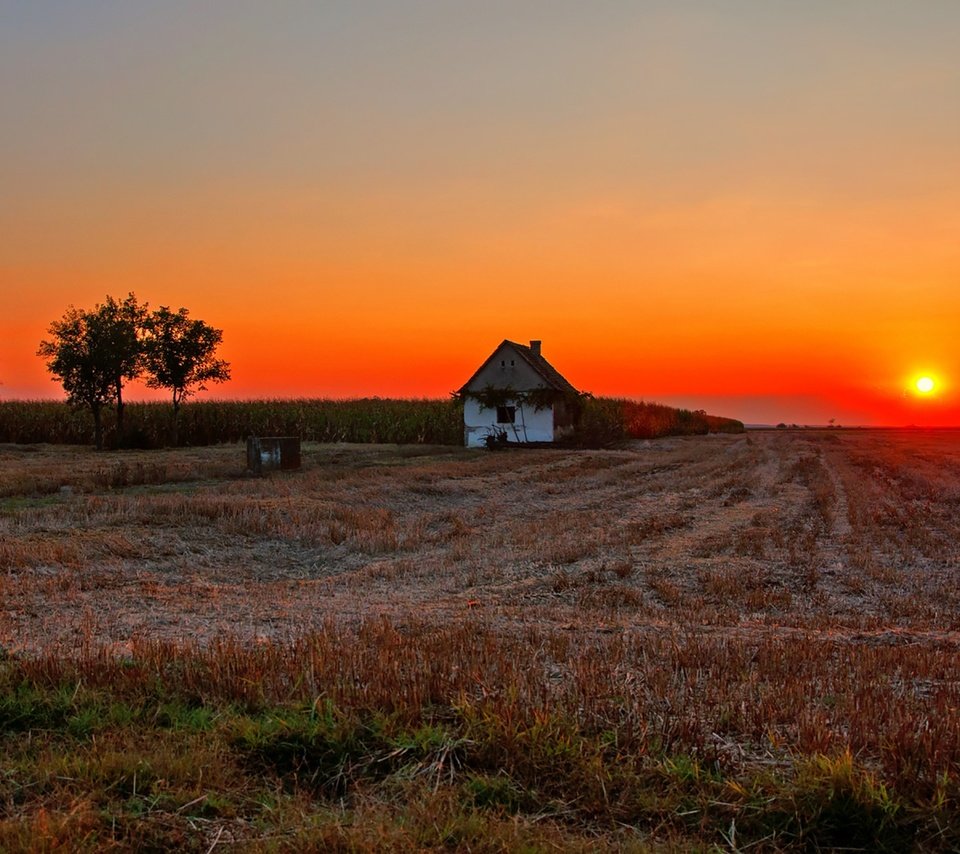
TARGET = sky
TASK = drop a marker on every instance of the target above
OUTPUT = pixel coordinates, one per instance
(747, 207)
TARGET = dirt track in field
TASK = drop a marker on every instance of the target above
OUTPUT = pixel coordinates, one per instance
(854, 533)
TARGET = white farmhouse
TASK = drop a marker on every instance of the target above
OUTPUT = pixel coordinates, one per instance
(517, 396)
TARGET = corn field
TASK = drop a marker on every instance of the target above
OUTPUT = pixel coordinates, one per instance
(148, 425)
(604, 421)
(608, 420)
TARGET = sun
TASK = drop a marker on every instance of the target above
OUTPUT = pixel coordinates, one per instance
(925, 385)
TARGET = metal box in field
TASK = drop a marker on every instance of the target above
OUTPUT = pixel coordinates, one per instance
(273, 453)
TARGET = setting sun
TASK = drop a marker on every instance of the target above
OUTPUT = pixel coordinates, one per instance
(925, 385)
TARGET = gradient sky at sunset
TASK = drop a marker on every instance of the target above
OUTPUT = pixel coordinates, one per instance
(750, 207)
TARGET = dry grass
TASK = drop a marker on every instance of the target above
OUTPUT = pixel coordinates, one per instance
(853, 531)
(740, 623)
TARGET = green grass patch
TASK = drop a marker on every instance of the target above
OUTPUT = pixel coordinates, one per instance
(170, 747)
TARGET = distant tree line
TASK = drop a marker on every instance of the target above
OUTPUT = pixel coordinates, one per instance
(94, 353)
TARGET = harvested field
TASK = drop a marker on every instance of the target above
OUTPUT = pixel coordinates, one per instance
(717, 636)
(850, 533)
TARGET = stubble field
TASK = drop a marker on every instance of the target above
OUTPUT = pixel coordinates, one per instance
(732, 640)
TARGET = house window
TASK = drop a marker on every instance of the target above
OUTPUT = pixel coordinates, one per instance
(506, 414)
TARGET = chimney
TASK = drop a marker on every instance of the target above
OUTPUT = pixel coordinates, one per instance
(535, 347)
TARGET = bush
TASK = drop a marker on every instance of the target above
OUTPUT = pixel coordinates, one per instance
(607, 421)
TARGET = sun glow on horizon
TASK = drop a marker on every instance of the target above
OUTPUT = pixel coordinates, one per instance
(367, 197)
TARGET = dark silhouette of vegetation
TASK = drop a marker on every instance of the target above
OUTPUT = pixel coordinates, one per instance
(93, 353)
(81, 354)
(430, 422)
(371, 420)
(180, 356)
(607, 421)
(121, 324)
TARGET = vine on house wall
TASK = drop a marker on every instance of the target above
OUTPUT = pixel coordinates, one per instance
(490, 397)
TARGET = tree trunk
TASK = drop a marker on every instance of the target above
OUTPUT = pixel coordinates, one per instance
(120, 406)
(97, 427)
(175, 427)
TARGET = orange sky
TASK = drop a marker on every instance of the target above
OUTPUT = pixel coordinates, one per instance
(755, 210)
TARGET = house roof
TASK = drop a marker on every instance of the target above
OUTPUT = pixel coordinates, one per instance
(551, 377)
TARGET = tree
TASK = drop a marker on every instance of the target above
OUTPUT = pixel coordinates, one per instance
(121, 324)
(180, 355)
(78, 356)
(93, 353)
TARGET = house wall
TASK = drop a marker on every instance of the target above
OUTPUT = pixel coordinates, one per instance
(519, 375)
(478, 423)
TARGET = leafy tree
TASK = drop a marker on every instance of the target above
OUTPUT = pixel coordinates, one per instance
(93, 353)
(121, 325)
(180, 355)
(78, 355)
